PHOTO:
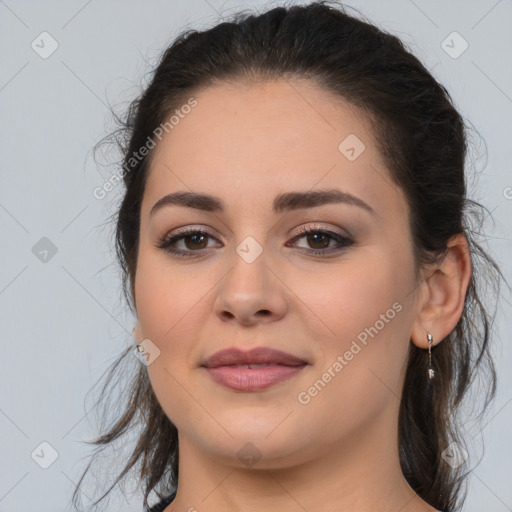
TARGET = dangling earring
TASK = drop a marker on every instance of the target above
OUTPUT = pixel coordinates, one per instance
(430, 369)
(139, 346)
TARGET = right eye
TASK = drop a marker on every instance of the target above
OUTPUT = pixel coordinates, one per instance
(191, 237)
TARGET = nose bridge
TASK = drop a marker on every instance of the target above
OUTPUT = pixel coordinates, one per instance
(249, 266)
(254, 246)
(251, 232)
(250, 286)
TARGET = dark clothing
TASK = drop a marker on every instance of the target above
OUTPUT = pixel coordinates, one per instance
(160, 506)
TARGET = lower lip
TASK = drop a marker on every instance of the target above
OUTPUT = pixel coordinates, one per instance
(245, 379)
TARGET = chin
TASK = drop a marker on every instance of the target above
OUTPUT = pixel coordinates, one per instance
(255, 454)
(256, 442)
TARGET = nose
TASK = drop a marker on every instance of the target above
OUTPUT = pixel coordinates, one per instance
(251, 293)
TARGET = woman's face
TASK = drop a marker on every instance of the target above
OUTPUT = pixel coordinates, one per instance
(254, 280)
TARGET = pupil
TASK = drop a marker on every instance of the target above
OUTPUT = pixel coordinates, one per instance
(195, 238)
(316, 238)
(320, 235)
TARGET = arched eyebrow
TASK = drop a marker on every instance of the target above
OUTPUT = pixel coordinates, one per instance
(283, 202)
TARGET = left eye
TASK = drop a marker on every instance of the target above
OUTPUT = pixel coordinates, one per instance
(317, 238)
(196, 242)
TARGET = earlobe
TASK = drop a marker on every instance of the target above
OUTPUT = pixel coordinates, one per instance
(444, 293)
(137, 332)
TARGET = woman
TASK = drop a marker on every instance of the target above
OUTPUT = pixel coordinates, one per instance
(295, 245)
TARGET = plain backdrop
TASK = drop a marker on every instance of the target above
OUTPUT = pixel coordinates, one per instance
(63, 319)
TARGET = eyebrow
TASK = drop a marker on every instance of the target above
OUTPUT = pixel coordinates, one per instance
(283, 202)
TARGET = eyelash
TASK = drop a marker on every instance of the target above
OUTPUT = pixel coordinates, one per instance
(166, 242)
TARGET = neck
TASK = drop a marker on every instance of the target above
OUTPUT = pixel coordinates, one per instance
(361, 473)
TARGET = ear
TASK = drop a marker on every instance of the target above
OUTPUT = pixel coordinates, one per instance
(137, 332)
(442, 295)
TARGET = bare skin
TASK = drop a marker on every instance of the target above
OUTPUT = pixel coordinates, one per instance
(246, 144)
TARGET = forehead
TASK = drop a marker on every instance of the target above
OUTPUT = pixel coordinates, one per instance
(273, 119)
(252, 140)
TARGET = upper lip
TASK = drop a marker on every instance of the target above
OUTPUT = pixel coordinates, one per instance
(260, 355)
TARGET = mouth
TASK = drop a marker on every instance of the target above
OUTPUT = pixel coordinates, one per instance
(254, 366)
(256, 357)
(252, 370)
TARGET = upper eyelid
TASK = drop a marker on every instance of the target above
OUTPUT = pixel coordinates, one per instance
(304, 230)
(184, 230)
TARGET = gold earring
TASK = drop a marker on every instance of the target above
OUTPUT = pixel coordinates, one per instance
(431, 372)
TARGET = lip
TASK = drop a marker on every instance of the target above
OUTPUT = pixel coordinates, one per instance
(279, 366)
(259, 355)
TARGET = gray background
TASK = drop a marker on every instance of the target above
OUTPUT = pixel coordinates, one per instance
(63, 320)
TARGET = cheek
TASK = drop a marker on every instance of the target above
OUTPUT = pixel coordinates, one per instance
(166, 297)
(355, 296)
(168, 305)
(359, 374)
(364, 317)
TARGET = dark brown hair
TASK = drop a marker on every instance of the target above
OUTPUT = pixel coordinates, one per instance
(423, 139)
